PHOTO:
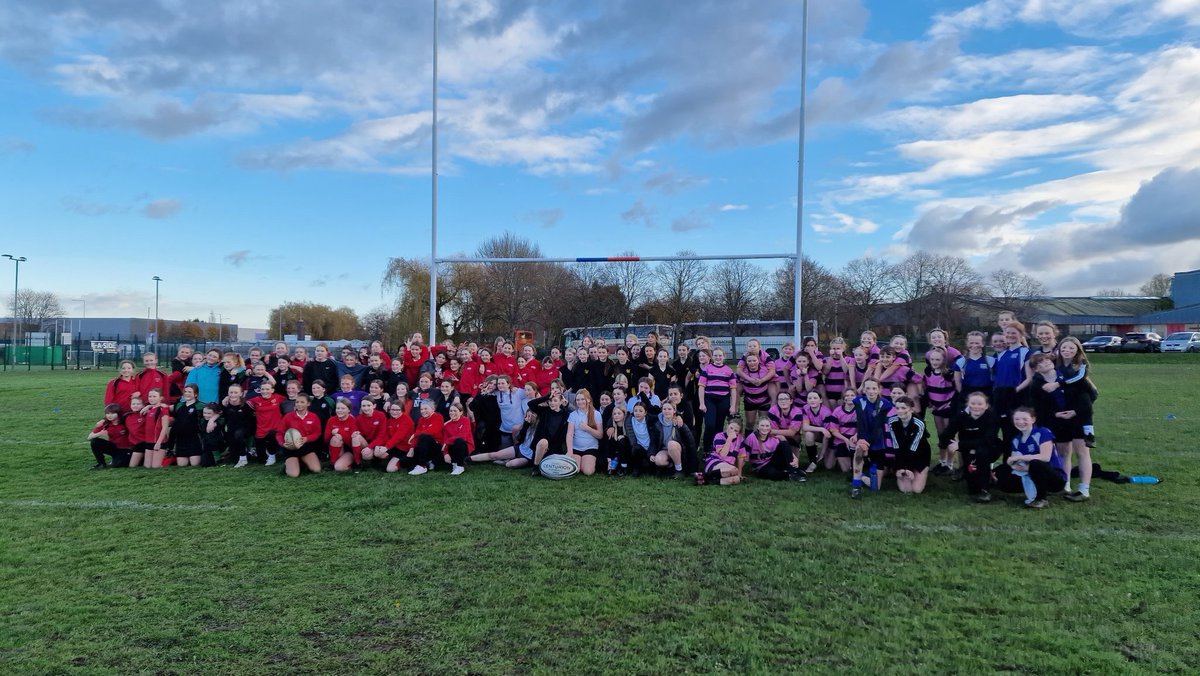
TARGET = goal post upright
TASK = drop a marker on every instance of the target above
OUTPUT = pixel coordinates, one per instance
(797, 300)
(797, 256)
(433, 260)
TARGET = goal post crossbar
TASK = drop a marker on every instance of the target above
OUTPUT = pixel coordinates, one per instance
(613, 259)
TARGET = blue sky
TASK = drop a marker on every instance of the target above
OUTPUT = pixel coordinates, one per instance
(252, 153)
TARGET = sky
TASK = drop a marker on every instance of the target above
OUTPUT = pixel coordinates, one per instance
(260, 151)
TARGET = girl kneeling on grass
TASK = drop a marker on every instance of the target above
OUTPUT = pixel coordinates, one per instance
(843, 430)
(400, 430)
(187, 425)
(372, 431)
(156, 430)
(428, 448)
(308, 424)
(458, 440)
(873, 414)
(972, 435)
(110, 437)
(910, 440)
(340, 433)
(771, 456)
(1033, 467)
(723, 465)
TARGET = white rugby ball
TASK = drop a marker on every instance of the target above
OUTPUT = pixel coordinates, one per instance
(291, 439)
(558, 467)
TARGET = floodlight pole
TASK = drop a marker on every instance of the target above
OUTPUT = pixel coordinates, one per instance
(16, 284)
(157, 280)
(433, 261)
(797, 318)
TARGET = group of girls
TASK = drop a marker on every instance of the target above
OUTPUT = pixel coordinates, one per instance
(630, 409)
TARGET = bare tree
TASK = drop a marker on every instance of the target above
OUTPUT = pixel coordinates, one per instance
(1112, 293)
(34, 309)
(1010, 285)
(375, 324)
(954, 282)
(506, 294)
(633, 279)
(820, 289)
(1159, 286)
(734, 290)
(867, 283)
(679, 288)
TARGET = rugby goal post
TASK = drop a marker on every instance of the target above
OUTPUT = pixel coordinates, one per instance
(797, 256)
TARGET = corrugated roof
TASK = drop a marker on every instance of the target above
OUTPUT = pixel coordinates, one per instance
(1115, 307)
(1179, 315)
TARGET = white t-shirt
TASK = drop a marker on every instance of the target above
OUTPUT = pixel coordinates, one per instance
(582, 441)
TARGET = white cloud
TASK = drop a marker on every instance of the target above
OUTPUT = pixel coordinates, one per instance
(843, 223)
(733, 207)
(1000, 113)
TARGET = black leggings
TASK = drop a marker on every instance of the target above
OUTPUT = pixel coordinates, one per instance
(977, 467)
(714, 418)
(1045, 478)
(429, 450)
(780, 465)
(103, 447)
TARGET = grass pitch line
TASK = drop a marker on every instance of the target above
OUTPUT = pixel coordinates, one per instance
(954, 529)
(112, 504)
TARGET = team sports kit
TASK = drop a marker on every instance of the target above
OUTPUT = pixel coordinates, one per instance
(1008, 416)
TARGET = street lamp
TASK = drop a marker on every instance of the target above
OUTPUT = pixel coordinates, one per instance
(157, 281)
(16, 280)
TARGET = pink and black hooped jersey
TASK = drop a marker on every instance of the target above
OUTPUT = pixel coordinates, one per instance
(860, 372)
(835, 376)
(901, 377)
(843, 420)
(939, 390)
(718, 455)
(792, 419)
(952, 354)
(815, 418)
(752, 393)
(760, 451)
(783, 370)
(719, 443)
(716, 379)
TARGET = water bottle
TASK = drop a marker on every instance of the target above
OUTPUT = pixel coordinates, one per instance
(874, 478)
(1143, 480)
(612, 464)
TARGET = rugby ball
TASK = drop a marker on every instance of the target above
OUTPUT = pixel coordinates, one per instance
(558, 467)
(292, 439)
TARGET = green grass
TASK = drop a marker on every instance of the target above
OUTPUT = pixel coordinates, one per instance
(243, 571)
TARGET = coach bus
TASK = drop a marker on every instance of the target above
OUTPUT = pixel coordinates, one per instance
(614, 334)
(771, 333)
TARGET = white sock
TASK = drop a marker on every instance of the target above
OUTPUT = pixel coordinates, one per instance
(1084, 488)
(678, 467)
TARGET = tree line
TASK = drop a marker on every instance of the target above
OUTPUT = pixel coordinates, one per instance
(477, 300)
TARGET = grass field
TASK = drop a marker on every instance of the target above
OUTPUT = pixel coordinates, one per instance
(244, 572)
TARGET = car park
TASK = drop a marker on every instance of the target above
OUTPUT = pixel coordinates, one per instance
(1103, 344)
(1182, 341)
(1141, 341)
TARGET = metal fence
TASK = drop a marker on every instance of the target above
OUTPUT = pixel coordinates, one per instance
(96, 352)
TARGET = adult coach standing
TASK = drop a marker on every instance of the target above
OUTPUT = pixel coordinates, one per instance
(321, 368)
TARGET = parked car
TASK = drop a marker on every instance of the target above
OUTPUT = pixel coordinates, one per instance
(1183, 341)
(1141, 342)
(1103, 344)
